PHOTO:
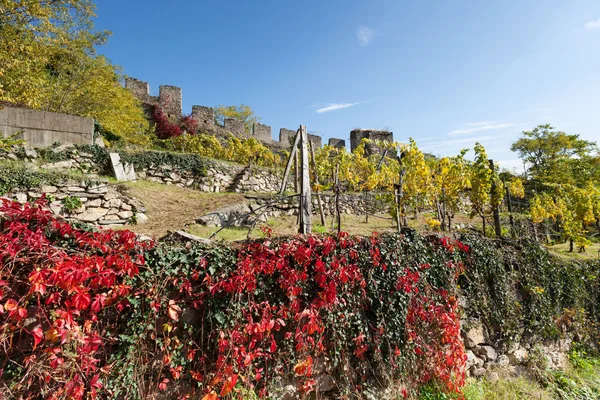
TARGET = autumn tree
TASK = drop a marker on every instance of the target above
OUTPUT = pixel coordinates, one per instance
(483, 179)
(416, 182)
(555, 156)
(48, 61)
(242, 113)
(450, 178)
(573, 209)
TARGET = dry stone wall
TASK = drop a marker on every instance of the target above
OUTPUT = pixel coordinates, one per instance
(356, 204)
(96, 203)
(485, 358)
(220, 177)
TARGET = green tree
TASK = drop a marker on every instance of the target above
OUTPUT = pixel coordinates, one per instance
(242, 113)
(554, 156)
(48, 61)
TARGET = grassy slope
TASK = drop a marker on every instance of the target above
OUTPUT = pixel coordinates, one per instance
(562, 250)
(286, 225)
(171, 208)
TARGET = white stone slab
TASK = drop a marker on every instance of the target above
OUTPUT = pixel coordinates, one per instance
(122, 171)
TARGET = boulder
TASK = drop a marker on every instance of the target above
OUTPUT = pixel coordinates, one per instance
(98, 189)
(67, 164)
(489, 352)
(116, 203)
(471, 359)
(141, 218)
(518, 356)
(56, 207)
(503, 360)
(21, 197)
(30, 153)
(94, 203)
(474, 335)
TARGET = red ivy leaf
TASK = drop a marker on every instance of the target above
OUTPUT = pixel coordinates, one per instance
(38, 335)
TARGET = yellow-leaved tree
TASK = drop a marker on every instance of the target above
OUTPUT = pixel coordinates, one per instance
(483, 179)
(450, 179)
(572, 208)
(416, 190)
(48, 62)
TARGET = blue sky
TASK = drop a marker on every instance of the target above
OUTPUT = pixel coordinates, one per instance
(444, 72)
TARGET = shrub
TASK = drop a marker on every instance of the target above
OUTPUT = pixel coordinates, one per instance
(164, 128)
(189, 124)
(18, 177)
(71, 203)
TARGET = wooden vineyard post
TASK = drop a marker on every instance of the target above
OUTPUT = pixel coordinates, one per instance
(312, 157)
(338, 215)
(289, 164)
(495, 210)
(513, 230)
(296, 175)
(305, 196)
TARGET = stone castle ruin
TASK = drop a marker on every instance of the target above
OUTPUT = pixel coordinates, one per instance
(357, 135)
(170, 101)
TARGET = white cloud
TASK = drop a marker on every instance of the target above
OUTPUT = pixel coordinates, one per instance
(364, 35)
(480, 127)
(335, 106)
(591, 25)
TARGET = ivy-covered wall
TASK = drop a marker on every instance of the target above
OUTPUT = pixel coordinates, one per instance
(102, 314)
(181, 169)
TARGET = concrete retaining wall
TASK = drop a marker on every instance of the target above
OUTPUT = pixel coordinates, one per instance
(43, 128)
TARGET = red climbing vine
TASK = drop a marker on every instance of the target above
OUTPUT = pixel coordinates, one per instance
(76, 303)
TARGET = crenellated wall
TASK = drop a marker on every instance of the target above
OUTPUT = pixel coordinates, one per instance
(262, 132)
(205, 117)
(170, 100)
(234, 126)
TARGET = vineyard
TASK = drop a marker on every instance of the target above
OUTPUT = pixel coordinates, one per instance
(551, 202)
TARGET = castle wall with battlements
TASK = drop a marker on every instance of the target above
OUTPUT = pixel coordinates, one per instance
(170, 100)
